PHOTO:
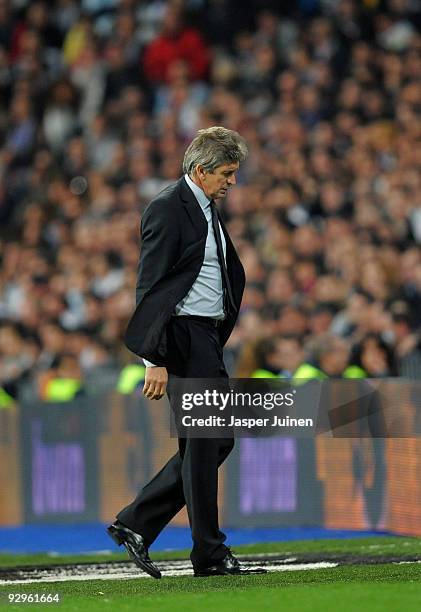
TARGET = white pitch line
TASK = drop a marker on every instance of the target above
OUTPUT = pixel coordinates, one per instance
(178, 571)
(266, 556)
(405, 562)
(301, 566)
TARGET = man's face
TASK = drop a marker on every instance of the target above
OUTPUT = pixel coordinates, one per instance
(216, 184)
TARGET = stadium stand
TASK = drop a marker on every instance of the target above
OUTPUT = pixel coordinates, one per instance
(98, 101)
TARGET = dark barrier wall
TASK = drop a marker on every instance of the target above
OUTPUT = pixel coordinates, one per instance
(84, 460)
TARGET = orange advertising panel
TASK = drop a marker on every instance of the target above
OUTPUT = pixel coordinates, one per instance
(10, 468)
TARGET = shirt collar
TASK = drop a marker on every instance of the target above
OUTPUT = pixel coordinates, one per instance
(200, 195)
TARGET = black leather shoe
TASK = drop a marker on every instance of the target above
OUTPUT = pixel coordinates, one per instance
(228, 566)
(135, 546)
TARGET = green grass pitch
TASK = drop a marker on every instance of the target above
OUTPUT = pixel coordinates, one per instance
(391, 587)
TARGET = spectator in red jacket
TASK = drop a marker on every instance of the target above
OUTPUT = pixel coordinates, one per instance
(176, 42)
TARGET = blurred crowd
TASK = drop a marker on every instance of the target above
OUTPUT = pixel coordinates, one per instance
(98, 101)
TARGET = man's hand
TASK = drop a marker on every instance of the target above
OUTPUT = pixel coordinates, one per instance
(156, 379)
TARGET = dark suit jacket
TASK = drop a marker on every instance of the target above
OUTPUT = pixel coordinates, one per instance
(173, 231)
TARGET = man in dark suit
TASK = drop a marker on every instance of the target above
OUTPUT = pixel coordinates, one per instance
(189, 290)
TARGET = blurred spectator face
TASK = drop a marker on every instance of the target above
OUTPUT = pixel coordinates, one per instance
(417, 277)
(267, 23)
(52, 338)
(334, 360)
(338, 229)
(360, 53)
(306, 241)
(127, 197)
(131, 99)
(36, 15)
(289, 354)
(30, 43)
(330, 289)
(285, 259)
(265, 59)
(244, 42)
(170, 169)
(399, 7)
(305, 274)
(401, 327)
(252, 265)
(320, 31)
(115, 56)
(93, 356)
(282, 198)
(322, 164)
(93, 310)
(287, 83)
(373, 280)
(10, 341)
(140, 169)
(99, 266)
(68, 367)
(178, 72)
(357, 306)
(172, 22)
(253, 297)
(125, 24)
(21, 109)
(292, 321)
(346, 123)
(308, 99)
(277, 236)
(320, 321)
(52, 306)
(4, 11)
(349, 96)
(280, 288)
(299, 58)
(331, 197)
(76, 152)
(76, 342)
(43, 161)
(63, 94)
(252, 326)
(409, 262)
(374, 358)
(372, 103)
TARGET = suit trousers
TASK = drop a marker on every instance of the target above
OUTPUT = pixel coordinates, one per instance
(191, 476)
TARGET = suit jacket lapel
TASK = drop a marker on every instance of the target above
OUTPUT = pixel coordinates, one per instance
(193, 208)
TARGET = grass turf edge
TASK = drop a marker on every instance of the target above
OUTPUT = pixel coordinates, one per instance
(373, 545)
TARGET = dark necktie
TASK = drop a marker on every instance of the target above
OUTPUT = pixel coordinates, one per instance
(229, 304)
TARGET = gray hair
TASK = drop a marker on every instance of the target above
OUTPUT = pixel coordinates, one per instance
(214, 147)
